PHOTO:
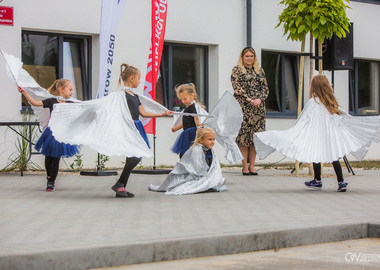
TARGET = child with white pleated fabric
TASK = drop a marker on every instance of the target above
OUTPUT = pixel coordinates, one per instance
(47, 144)
(320, 88)
(323, 133)
(130, 77)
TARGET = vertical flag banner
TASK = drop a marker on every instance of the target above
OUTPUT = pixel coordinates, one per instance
(112, 11)
(159, 11)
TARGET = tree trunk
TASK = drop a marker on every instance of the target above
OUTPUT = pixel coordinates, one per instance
(320, 69)
(311, 73)
(300, 84)
(320, 61)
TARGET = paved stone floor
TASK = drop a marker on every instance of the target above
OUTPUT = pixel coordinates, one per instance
(349, 255)
(83, 216)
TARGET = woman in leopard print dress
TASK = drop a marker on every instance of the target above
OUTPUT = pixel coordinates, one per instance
(250, 90)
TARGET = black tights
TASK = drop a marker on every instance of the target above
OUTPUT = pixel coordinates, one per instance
(130, 163)
(337, 169)
(52, 167)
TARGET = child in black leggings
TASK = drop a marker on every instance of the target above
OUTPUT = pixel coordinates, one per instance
(131, 79)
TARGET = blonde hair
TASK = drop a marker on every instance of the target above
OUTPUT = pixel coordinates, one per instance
(320, 88)
(188, 88)
(201, 133)
(241, 60)
(58, 85)
(126, 71)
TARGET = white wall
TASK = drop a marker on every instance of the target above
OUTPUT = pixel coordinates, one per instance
(219, 24)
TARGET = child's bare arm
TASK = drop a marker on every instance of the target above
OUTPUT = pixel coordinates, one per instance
(177, 127)
(29, 98)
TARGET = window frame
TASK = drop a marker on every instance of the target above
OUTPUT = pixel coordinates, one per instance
(375, 2)
(166, 70)
(288, 114)
(353, 83)
(86, 72)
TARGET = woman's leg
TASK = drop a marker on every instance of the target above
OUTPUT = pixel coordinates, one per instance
(244, 152)
(252, 158)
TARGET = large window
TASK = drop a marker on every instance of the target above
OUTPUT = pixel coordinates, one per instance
(50, 56)
(282, 75)
(364, 84)
(182, 64)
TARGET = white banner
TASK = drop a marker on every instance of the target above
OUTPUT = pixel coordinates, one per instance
(112, 11)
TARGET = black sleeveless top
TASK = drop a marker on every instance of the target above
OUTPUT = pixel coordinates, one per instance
(188, 121)
(133, 105)
(49, 103)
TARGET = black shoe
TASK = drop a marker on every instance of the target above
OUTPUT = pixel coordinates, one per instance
(246, 173)
(121, 191)
(342, 187)
(253, 173)
(128, 195)
(314, 184)
(50, 186)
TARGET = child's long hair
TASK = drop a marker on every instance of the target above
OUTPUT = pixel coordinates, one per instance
(241, 61)
(201, 132)
(57, 85)
(188, 88)
(321, 88)
(126, 71)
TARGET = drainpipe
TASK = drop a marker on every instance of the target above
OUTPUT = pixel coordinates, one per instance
(249, 23)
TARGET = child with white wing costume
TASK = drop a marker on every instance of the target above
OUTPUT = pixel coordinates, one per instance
(199, 170)
(323, 133)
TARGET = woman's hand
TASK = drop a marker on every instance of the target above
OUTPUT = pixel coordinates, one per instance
(254, 102)
(20, 89)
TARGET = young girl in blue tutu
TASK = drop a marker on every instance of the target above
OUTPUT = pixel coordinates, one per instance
(188, 96)
(47, 144)
(130, 77)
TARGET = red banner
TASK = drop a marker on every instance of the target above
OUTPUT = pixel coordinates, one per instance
(159, 11)
(6, 16)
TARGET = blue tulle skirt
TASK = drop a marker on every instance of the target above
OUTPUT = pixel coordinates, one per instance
(141, 129)
(184, 140)
(49, 146)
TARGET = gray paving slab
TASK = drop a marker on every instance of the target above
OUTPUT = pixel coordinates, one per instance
(82, 225)
(356, 254)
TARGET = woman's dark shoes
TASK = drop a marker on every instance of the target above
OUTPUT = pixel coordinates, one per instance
(246, 173)
(253, 173)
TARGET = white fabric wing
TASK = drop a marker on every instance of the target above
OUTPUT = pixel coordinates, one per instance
(20, 77)
(201, 113)
(226, 123)
(104, 124)
(192, 175)
(319, 136)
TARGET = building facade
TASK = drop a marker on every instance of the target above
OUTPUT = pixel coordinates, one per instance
(202, 43)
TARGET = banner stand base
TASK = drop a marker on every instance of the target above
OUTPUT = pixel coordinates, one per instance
(98, 173)
(153, 171)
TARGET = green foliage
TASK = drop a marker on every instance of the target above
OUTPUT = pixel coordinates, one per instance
(78, 163)
(17, 159)
(322, 17)
(102, 162)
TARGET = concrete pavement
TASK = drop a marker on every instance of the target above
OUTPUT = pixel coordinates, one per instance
(82, 225)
